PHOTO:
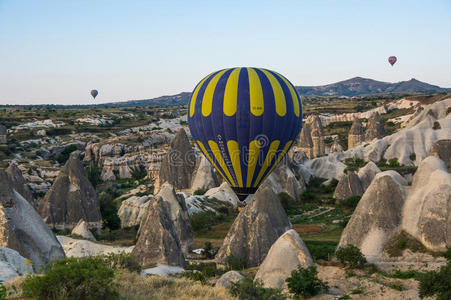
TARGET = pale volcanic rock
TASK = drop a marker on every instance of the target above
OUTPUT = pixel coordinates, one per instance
(226, 279)
(442, 150)
(22, 229)
(375, 128)
(179, 215)
(255, 229)
(348, 186)
(427, 209)
(178, 165)
(12, 264)
(71, 198)
(377, 217)
(223, 193)
(84, 248)
(305, 141)
(283, 180)
(367, 174)
(204, 177)
(133, 210)
(83, 231)
(355, 136)
(19, 183)
(158, 241)
(336, 147)
(317, 133)
(285, 255)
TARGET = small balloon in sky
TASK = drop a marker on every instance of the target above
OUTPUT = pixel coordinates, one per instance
(94, 93)
(392, 60)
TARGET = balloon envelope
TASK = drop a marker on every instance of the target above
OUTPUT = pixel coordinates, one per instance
(94, 93)
(244, 120)
(392, 60)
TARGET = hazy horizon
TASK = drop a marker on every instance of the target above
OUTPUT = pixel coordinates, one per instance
(55, 52)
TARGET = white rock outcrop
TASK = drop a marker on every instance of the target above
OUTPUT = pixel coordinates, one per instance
(204, 177)
(226, 279)
(82, 248)
(367, 174)
(83, 231)
(133, 209)
(12, 264)
(427, 209)
(223, 193)
(284, 256)
(377, 217)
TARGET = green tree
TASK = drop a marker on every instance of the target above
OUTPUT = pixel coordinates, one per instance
(304, 282)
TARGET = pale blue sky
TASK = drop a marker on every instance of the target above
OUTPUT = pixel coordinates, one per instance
(57, 51)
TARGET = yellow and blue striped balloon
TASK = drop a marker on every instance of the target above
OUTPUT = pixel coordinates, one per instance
(244, 121)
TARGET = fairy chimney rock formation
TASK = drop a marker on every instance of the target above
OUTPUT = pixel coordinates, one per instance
(375, 128)
(158, 241)
(71, 198)
(355, 136)
(178, 165)
(256, 228)
(305, 141)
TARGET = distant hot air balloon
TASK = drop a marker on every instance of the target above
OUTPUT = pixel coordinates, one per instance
(392, 60)
(94, 93)
(244, 120)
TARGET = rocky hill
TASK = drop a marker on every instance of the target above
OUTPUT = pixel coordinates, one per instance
(364, 86)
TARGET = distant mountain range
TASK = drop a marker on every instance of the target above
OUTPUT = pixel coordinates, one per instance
(359, 86)
(356, 86)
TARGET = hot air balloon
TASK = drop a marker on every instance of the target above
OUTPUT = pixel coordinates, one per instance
(244, 120)
(94, 93)
(392, 60)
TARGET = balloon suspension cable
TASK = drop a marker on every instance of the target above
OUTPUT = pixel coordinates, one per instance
(242, 192)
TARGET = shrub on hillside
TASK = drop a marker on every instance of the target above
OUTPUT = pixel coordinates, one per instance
(286, 200)
(209, 251)
(235, 262)
(351, 202)
(94, 174)
(138, 172)
(108, 210)
(350, 256)
(435, 283)
(73, 278)
(248, 289)
(304, 282)
(205, 219)
(126, 261)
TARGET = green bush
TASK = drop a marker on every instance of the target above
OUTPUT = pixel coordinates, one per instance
(209, 269)
(304, 282)
(199, 192)
(108, 210)
(437, 284)
(139, 172)
(286, 200)
(393, 163)
(247, 289)
(64, 156)
(73, 278)
(209, 251)
(351, 202)
(321, 250)
(350, 256)
(195, 275)
(235, 262)
(94, 172)
(205, 219)
(126, 261)
(5, 293)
